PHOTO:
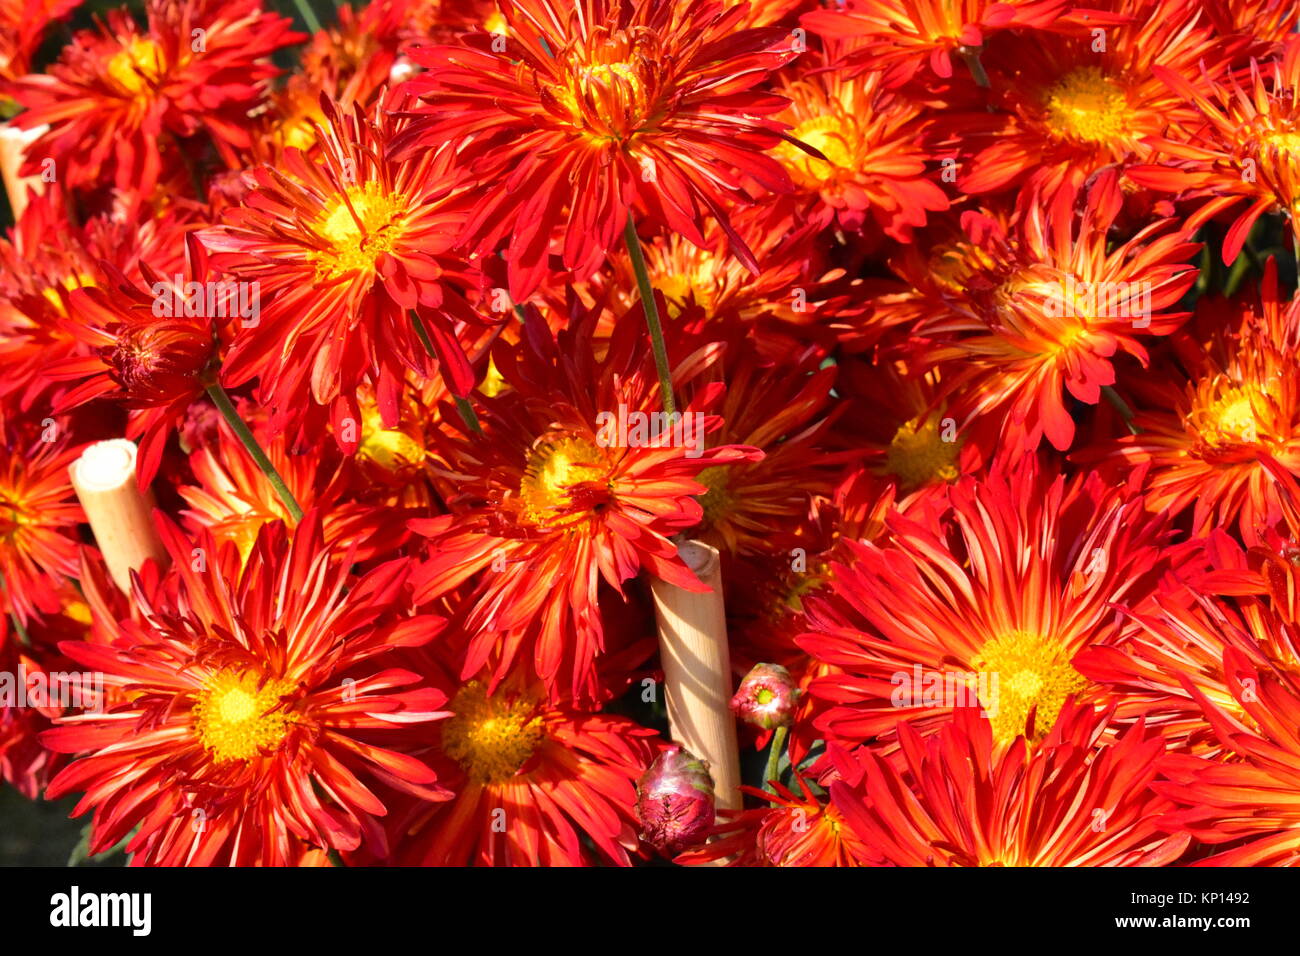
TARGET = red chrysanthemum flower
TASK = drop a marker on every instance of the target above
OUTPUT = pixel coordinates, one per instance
(348, 248)
(1067, 106)
(1241, 152)
(22, 25)
(962, 801)
(1170, 657)
(877, 160)
(120, 98)
(249, 698)
(1052, 312)
(232, 499)
(1249, 798)
(551, 491)
(1227, 399)
(973, 602)
(761, 508)
(41, 685)
(578, 114)
(38, 521)
(535, 783)
(906, 35)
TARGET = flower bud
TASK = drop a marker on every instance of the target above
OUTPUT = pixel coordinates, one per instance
(674, 802)
(767, 697)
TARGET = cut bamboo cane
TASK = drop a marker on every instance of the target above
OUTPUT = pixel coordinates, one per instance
(120, 515)
(13, 150)
(697, 670)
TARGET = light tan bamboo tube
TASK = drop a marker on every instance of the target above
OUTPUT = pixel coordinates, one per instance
(697, 670)
(13, 149)
(120, 515)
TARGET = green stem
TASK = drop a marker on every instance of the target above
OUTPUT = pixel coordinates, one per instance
(651, 311)
(774, 759)
(972, 58)
(308, 15)
(245, 436)
(462, 404)
(1121, 406)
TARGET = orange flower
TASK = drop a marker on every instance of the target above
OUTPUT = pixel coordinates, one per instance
(344, 244)
(1229, 399)
(577, 114)
(535, 783)
(22, 27)
(1170, 660)
(153, 350)
(1052, 311)
(963, 802)
(120, 101)
(1067, 109)
(249, 697)
(38, 521)
(1241, 152)
(1249, 797)
(972, 602)
(875, 151)
(906, 35)
(556, 490)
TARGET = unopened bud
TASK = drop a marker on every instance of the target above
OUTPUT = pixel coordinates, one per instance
(674, 802)
(767, 697)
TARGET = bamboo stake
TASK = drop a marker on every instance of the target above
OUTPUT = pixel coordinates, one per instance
(697, 670)
(120, 515)
(13, 150)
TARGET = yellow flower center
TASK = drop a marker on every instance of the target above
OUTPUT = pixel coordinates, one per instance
(137, 65)
(607, 98)
(359, 227)
(918, 454)
(492, 737)
(390, 448)
(1283, 140)
(1088, 105)
(695, 281)
(719, 501)
(1231, 415)
(237, 717)
(555, 467)
(1031, 671)
(826, 134)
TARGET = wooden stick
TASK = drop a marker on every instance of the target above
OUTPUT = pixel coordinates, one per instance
(697, 670)
(120, 515)
(13, 151)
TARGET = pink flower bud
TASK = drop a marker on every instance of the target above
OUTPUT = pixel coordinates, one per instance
(674, 801)
(767, 697)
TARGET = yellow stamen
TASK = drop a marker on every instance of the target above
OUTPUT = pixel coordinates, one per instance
(492, 737)
(361, 234)
(1228, 415)
(828, 135)
(1032, 671)
(719, 501)
(919, 455)
(136, 66)
(554, 468)
(236, 719)
(1087, 105)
